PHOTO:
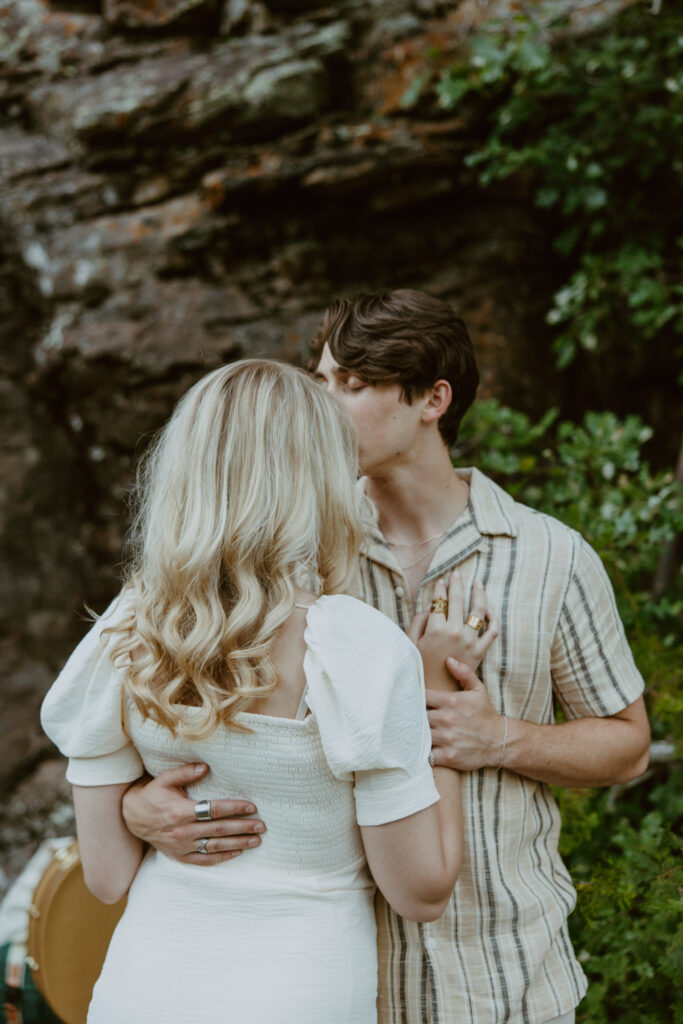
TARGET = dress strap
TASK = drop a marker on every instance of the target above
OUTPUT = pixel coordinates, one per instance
(303, 709)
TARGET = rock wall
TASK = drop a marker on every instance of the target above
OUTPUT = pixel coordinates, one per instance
(184, 182)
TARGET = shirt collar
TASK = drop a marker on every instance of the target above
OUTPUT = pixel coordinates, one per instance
(493, 508)
(490, 512)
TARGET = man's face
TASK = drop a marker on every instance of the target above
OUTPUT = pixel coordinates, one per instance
(386, 425)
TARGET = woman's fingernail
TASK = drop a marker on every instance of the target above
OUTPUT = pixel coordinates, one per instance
(250, 809)
(199, 768)
(254, 842)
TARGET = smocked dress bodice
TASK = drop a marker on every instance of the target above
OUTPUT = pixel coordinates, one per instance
(280, 766)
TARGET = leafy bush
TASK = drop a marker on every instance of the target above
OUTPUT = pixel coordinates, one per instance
(596, 126)
(628, 925)
(620, 845)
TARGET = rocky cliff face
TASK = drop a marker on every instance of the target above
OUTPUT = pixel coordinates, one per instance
(184, 182)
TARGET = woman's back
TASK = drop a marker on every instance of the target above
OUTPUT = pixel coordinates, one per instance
(279, 765)
(285, 933)
(277, 761)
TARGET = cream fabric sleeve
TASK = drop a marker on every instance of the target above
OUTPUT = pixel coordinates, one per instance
(366, 690)
(82, 712)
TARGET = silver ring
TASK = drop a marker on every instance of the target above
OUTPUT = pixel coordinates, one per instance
(431, 758)
(202, 846)
(202, 810)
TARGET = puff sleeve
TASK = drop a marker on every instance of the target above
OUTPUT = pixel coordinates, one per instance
(366, 690)
(82, 712)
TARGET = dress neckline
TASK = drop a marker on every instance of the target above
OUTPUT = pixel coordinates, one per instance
(276, 718)
(300, 717)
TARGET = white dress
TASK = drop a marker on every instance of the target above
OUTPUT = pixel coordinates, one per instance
(284, 934)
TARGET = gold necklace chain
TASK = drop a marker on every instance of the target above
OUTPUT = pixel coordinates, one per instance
(417, 560)
(417, 543)
(428, 540)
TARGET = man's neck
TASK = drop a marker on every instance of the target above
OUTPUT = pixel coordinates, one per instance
(419, 498)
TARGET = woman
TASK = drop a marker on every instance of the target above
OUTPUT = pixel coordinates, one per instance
(212, 653)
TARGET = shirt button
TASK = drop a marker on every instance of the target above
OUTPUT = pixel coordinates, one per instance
(399, 591)
(430, 943)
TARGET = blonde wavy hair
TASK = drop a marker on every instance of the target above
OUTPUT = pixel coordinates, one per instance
(251, 479)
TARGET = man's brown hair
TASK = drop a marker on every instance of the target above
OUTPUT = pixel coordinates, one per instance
(403, 337)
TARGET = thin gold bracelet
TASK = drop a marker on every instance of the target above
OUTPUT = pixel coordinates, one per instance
(505, 741)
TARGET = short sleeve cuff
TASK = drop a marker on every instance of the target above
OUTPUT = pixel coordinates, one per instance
(580, 705)
(122, 765)
(392, 794)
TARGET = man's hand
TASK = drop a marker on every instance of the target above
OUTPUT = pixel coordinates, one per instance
(439, 635)
(159, 812)
(467, 732)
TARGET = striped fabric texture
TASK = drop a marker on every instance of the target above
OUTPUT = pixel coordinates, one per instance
(501, 952)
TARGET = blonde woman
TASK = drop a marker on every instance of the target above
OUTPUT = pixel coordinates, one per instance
(311, 706)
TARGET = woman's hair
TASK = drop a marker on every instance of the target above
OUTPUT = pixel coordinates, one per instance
(251, 480)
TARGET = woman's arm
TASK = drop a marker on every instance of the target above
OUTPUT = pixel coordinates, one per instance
(110, 854)
(415, 861)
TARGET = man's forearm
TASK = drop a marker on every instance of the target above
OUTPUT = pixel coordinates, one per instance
(468, 734)
(586, 752)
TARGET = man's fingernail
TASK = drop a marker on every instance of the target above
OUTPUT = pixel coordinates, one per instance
(453, 662)
(260, 827)
(199, 768)
(250, 809)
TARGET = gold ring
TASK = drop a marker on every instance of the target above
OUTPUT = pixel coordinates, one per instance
(475, 621)
(439, 604)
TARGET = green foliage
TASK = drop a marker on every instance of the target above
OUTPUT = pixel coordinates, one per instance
(628, 926)
(625, 861)
(596, 126)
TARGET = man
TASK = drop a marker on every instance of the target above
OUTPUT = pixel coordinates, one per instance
(402, 365)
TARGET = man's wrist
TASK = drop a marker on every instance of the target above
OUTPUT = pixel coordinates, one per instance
(503, 746)
(502, 741)
(518, 743)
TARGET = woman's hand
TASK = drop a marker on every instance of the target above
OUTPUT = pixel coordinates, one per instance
(440, 634)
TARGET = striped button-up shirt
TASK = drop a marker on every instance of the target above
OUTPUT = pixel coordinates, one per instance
(501, 951)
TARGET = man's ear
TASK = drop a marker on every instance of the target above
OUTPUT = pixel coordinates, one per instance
(437, 400)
